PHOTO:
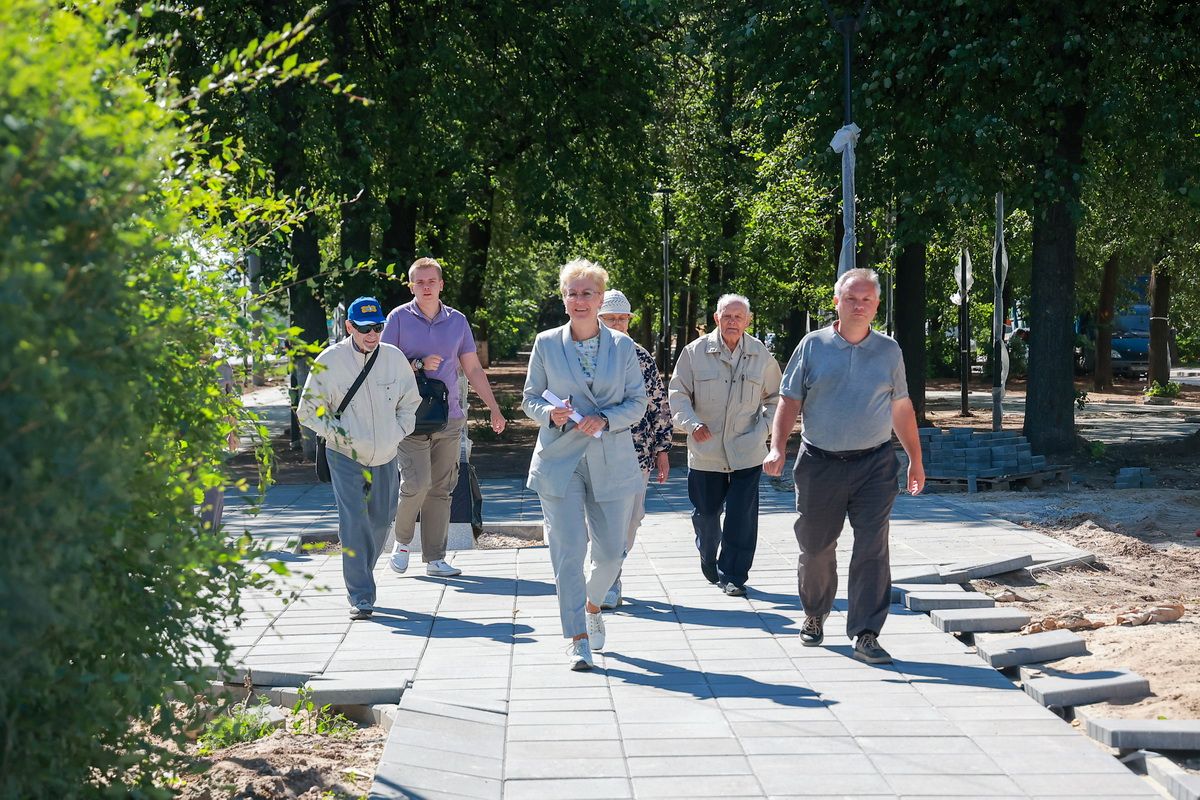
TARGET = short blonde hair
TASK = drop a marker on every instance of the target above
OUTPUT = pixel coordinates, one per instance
(424, 263)
(581, 268)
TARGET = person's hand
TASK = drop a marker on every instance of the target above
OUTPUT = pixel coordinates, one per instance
(662, 464)
(916, 478)
(773, 463)
(559, 416)
(498, 421)
(591, 424)
(432, 362)
(702, 434)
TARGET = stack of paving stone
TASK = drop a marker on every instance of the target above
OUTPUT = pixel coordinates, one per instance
(968, 453)
(1135, 478)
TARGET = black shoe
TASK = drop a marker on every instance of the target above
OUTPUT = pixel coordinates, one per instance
(710, 570)
(867, 649)
(813, 632)
(732, 589)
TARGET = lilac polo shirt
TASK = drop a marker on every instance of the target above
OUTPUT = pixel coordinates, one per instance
(448, 335)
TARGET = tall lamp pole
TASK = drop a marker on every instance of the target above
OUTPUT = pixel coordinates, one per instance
(845, 139)
(664, 339)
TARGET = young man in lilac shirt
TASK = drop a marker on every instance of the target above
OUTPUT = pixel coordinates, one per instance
(438, 339)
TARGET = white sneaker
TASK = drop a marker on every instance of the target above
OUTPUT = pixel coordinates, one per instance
(595, 630)
(579, 655)
(440, 569)
(399, 559)
(612, 599)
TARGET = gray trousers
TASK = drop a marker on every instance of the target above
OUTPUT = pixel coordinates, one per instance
(571, 521)
(827, 491)
(428, 474)
(365, 512)
(637, 512)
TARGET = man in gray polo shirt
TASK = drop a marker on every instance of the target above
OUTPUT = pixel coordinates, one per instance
(848, 383)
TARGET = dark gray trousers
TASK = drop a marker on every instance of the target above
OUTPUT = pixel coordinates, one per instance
(827, 491)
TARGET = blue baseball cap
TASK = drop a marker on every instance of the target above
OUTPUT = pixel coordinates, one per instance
(365, 310)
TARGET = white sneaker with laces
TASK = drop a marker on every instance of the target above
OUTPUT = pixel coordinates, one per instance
(399, 559)
(579, 655)
(595, 630)
(440, 569)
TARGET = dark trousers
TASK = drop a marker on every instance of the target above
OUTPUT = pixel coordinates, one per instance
(827, 491)
(731, 546)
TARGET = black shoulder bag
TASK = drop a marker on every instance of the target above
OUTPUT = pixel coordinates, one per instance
(434, 411)
(322, 459)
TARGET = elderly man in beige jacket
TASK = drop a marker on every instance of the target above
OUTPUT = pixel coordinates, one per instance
(723, 393)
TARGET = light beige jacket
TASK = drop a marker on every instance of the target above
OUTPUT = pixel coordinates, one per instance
(381, 413)
(735, 399)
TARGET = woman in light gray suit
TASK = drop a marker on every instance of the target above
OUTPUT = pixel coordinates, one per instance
(583, 481)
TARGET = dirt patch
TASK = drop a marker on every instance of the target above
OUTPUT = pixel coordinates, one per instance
(288, 766)
(1148, 553)
(490, 540)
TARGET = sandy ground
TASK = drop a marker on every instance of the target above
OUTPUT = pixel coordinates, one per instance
(288, 766)
(1148, 554)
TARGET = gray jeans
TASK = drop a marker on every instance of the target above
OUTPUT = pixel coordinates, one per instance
(827, 491)
(365, 512)
(571, 521)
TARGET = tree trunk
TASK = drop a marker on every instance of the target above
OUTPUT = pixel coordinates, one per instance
(308, 314)
(479, 242)
(1160, 309)
(399, 247)
(1102, 378)
(910, 320)
(1050, 400)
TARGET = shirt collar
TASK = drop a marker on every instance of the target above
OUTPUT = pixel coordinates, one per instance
(442, 314)
(842, 343)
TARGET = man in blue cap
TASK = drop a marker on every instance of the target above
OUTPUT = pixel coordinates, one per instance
(361, 441)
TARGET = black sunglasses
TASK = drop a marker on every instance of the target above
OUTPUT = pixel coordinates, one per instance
(373, 327)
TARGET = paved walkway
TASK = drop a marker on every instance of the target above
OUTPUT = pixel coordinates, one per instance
(697, 695)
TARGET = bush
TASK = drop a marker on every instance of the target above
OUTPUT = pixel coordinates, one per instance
(1168, 389)
(110, 420)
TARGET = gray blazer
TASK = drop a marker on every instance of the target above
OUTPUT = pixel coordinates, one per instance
(617, 391)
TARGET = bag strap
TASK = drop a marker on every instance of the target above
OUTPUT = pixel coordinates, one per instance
(362, 376)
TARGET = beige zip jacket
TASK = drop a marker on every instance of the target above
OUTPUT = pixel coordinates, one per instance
(381, 413)
(733, 394)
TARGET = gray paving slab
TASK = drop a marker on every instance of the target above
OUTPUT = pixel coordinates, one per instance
(973, 570)
(1034, 648)
(1053, 688)
(1149, 734)
(978, 620)
(692, 683)
(1179, 783)
(931, 600)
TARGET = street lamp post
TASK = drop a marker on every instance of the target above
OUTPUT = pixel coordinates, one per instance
(845, 139)
(664, 339)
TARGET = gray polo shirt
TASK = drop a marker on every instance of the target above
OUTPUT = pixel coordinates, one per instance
(846, 390)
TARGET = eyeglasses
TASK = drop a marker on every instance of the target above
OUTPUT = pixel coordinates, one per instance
(586, 294)
(373, 327)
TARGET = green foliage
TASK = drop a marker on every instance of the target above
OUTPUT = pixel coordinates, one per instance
(308, 717)
(241, 723)
(117, 220)
(1168, 389)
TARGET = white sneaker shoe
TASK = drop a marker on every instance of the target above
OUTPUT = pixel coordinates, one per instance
(612, 599)
(440, 569)
(579, 655)
(399, 559)
(595, 630)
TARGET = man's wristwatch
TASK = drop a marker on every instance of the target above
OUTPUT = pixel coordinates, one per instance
(418, 364)
(606, 423)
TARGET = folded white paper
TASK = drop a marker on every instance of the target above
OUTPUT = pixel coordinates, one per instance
(554, 400)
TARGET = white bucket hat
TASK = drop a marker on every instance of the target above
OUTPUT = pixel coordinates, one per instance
(615, 302)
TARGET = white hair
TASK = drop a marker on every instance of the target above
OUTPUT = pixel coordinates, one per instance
(729, 299)
(855, 275)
